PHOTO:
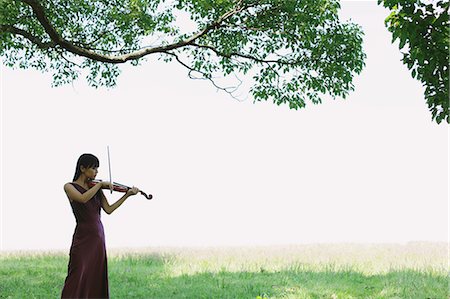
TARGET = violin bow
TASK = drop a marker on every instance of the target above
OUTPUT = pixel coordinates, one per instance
(148, 196)
(109, 166)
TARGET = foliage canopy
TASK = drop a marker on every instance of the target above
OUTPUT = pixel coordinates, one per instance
(424, 29)
(298, 50)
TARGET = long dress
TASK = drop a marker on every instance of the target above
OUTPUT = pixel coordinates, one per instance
(87, 275)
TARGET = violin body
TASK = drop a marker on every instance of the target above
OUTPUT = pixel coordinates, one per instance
(119, 188)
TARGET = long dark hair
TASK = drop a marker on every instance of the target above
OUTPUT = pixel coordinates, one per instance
(87, 161)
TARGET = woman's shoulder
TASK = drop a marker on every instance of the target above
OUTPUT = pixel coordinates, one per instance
(68, 184)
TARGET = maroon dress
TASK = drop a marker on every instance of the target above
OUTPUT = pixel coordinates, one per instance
(87, 275)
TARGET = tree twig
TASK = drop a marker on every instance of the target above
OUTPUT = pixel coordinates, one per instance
(230, 90)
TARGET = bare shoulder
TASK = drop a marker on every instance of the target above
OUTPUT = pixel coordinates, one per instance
(70, 189)
(68, 186)
(72, 193)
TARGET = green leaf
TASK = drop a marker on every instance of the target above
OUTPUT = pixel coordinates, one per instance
(428, 51)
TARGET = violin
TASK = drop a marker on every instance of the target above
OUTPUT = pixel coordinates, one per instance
(119, 188)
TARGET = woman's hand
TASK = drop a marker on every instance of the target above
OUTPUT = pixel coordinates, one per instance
(133, 191)
(106, 185)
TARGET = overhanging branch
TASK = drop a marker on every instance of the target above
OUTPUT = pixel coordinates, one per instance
(231, 54)
(35, 40)
(57, 39)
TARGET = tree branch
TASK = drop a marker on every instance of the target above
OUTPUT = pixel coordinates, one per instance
(69, 46)
(27, 35)
(235, 54)
(262, 61)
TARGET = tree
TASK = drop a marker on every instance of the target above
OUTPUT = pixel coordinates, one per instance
(423, 32)
(298, 50)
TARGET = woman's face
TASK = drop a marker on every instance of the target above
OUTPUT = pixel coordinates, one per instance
(90, 172)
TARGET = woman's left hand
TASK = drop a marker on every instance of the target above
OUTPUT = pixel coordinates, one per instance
(133, 191)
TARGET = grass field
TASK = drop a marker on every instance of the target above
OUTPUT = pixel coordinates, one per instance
(414, 270)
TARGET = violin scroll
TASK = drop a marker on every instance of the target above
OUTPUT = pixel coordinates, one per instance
(149, 196)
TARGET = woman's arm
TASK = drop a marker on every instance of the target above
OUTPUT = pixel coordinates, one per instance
(75, 195)
(111, 208)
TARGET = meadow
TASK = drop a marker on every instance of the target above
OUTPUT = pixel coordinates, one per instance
(413, 270)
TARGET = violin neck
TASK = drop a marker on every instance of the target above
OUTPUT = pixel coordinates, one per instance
(120, 185)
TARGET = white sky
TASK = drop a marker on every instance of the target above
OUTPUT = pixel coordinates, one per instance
(371, 168)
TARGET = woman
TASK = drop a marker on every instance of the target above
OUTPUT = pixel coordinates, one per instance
(87, 270)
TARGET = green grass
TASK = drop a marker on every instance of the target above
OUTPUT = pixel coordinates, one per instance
(415, 270)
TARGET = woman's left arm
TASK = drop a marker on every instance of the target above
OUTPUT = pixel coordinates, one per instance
(111, 208)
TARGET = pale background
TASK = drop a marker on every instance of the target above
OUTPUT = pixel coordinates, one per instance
(371, 168)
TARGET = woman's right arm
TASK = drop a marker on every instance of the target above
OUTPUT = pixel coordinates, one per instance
(76, 195)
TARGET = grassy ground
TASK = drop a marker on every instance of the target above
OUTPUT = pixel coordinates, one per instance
(416, 270)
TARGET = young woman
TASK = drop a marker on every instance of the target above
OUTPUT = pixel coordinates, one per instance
(87, 275)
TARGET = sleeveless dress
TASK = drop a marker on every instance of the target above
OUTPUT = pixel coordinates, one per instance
(87, 275)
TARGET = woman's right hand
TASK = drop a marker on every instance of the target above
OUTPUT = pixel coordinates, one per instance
(107, 185)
